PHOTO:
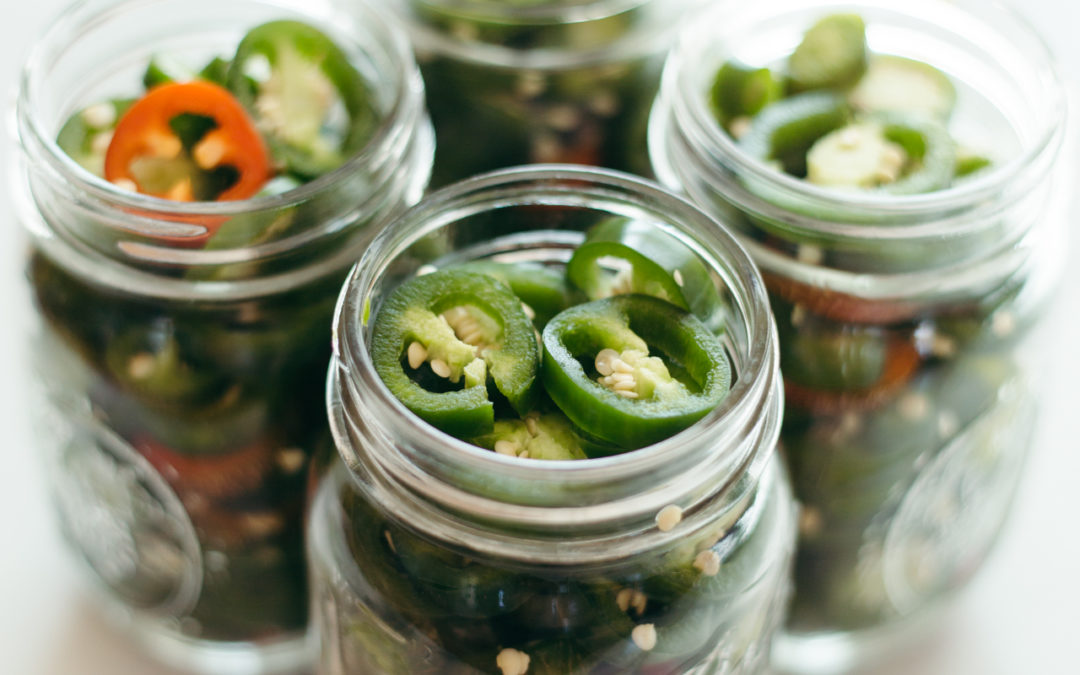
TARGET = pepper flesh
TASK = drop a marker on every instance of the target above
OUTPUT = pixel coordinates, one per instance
(634, 323)
(663, 266)
(413, 314)
(291, 76)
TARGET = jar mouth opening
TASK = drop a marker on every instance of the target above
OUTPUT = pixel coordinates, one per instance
(73, 23)
(563, 185)
(850, 210)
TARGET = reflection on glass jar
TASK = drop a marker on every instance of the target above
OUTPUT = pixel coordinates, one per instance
(513, 83)
(906, 287)
(181, 346)
(433, 555)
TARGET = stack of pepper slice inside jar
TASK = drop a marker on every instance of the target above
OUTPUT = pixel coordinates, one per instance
(613, 354)
(908, 408)
(220, 398)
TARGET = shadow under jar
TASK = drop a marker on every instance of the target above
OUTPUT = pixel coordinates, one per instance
(181, 347)
(512, 83)
(432, 555)
(906, 320)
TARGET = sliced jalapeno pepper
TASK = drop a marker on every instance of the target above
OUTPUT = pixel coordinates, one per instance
(833, 54)
(785, 131)
(543, 290)
(292, 78)
(883, 374)
(162, 70)
(742, 91)
(456, 324)
(148, 360)
(605, 268)
(898, 153)
(828, 356)
(896, 84)
(86, 135)
(548, 436)
(628, 396)
(667, 263)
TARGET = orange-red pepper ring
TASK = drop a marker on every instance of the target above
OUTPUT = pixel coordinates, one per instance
(144, 131)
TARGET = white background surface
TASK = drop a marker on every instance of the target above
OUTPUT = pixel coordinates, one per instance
(1021, 616)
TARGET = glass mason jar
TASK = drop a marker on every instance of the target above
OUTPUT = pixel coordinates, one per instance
(181, 380)
(431, 555)
(532, 81)
(906, 323)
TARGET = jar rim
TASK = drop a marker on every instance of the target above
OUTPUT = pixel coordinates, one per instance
(690, 110)
(750, 411)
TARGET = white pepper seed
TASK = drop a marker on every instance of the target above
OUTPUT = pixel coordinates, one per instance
(512, 662)
(669, 517)
(99, 116)
(644, 636)
(707, 562)
(417, 355)
(440, 368)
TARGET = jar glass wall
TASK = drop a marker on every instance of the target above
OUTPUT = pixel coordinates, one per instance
(907, 322)
(433, 555)
(180, 347)
(540, 81)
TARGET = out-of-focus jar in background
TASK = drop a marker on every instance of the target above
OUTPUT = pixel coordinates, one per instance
(431, 555)
(513, 83)
(908, 322)
(180, 348)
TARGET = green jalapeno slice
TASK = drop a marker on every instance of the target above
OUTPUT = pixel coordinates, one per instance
(652, 368)
(606, 268)
(162, 70)
(86, 135)
(662, 261)
(743, 91)
(149, 361)
(455, 325)
(833, 54)
(897, 84)
(823, 355)
(294, 80)
(785, 131)
(543, 291)
(896, 152)
(536, 436)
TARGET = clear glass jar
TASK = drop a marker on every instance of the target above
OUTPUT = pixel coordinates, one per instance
(906, 323)
(513, 83)
(180, 384)
(431, 555)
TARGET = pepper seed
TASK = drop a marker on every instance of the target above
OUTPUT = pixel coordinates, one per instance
(440, 368)
(707, 562)
(669, 517)
(417, 354)
(512, 662)
(99, 116)
(644, 636)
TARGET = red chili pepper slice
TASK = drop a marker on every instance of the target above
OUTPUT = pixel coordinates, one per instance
(148, 153)
(214, 476)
